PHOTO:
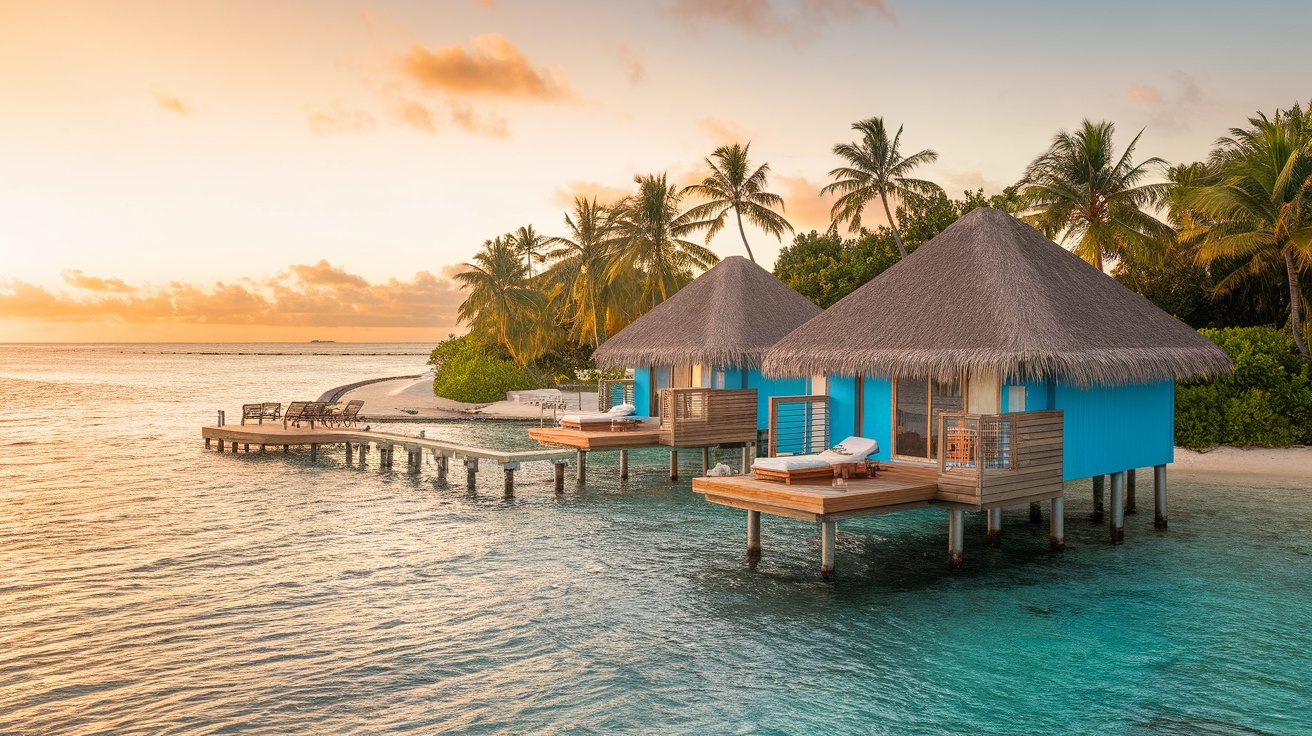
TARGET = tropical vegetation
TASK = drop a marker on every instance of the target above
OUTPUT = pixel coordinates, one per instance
(1224, 244)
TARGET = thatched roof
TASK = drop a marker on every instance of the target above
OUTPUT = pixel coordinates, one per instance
(990, 293)
(729, 315)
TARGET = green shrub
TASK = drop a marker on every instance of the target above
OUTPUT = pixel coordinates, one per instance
(1266, 402)
(473, 373)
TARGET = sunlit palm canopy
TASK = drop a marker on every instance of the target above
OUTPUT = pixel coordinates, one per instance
(733, 185)
(650, 230)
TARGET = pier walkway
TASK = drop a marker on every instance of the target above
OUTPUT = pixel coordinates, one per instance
(274, 434)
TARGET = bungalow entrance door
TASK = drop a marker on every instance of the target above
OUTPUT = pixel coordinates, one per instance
(917, 403)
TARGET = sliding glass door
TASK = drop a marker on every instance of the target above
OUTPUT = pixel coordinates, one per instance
(917, 404)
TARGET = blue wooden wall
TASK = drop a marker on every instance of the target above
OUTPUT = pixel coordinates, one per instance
(767, 387)
(877, 417)
(642, 392)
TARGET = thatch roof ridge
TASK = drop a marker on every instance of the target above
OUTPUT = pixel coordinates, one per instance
(991, 293)
(729, 315)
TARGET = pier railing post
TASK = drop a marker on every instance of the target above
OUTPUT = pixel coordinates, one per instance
(747, 460)
(222, 419)
(1159, 496)
(1057, 531)
(1118, 508)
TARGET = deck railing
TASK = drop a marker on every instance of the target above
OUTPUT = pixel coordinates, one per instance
(613, 392)
(707, 416)
(799, 425)
(984, 458)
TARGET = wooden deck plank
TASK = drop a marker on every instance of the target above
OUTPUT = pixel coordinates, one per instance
(596, 440)
(276, 434)
(896, 484)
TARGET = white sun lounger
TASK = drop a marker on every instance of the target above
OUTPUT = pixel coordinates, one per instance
(598, 420)
(851, 457)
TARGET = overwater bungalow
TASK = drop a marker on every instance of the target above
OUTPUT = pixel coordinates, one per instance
(996, 358)
(696, 362)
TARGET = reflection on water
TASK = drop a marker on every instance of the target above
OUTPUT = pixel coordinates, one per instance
(150, 586)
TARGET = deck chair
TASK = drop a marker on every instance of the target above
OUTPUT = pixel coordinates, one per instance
(252, 411)
(295, 413)
(848, 459)
(596, 421)
(350, 413)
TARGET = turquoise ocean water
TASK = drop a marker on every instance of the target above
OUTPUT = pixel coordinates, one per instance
(148, 586)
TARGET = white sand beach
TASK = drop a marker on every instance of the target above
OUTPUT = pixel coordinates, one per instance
(1278, 462)
(412, 398)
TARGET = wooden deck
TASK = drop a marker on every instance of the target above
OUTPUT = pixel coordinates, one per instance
(648, 434)
(896, 486)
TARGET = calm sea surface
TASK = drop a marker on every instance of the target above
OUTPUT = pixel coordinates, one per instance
(150, 586)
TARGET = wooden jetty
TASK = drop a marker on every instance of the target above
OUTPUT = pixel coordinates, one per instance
(358, 441)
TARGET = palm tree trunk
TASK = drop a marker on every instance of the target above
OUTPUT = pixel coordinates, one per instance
(739, 215)
(1295, 304)
(897, 237)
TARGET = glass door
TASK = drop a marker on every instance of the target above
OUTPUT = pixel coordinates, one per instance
(917, 403)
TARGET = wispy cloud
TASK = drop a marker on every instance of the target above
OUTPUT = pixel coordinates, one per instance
(1174, 105)
(489, 66)
(414, 114)
(338, 119)
(74, 277)
(309, 295)
(762, 18)
(804, 207)
(563, 196)
(723, 132)
(630, 62)
(488, 124)
(171, 103)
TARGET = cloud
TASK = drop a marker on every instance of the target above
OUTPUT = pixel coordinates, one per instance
(414, 114)
(1176, 107)
(340, 120)
(493, 126)
(1141, 93)
(804, 207)
(306, 295)
(723, 132)
(490, 66)
(172, 103)
(760, 17)
(563, 196)
(74, 277)
(630, 62)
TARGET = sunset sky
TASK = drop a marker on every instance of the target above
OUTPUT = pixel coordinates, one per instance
(296, 170)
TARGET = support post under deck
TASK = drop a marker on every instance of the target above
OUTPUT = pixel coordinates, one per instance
(706, 460)
(624, 464)
(674, 465)
(753, 537)
(1159, 496)
(471, 471)
(509, 470)
(1130, 507)
(955, 532)
(443, 463)
(581, 471)
(1096, 516)
(560, 475)
(994, 533)
(1057, 530)
(1036, 512)
(1117, 524)
(828, 539)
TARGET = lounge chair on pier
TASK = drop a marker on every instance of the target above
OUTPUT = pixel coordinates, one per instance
(849, 458)
(260, 412)
(598, 420)
(296, 413)
(339, 415)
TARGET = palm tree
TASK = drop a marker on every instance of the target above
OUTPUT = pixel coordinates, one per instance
(529, 243)
(649, 228)
(876, 168)
(1080, 190)
(1260, 210)
(579, 268)
(733, 185)
(502, 305)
